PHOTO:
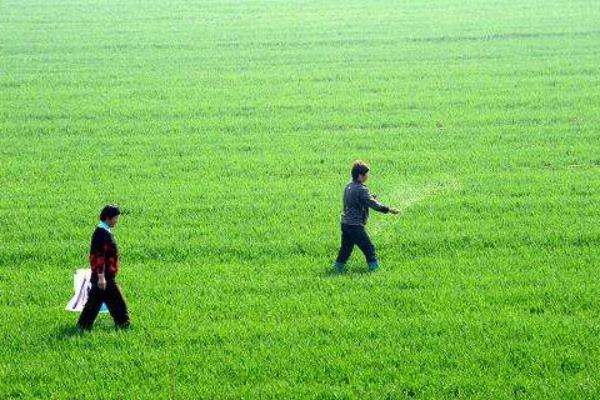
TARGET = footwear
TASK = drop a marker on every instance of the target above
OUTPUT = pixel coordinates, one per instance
(81, 329)
(339, 267)
(373, 265)
(124, 325)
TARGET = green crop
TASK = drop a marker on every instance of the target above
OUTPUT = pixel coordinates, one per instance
(226, 131)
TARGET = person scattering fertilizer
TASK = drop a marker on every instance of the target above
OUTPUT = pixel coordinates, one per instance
(104, 263)
(357, 200)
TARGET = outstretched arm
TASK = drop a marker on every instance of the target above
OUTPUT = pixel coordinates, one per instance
(371, 201)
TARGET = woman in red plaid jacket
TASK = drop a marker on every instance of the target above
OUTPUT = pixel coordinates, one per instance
(104, 262)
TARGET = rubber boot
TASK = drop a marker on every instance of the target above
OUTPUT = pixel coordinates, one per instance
(373, 265)
(339, 267)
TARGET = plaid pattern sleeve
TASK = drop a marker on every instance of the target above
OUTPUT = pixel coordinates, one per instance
(103, 253)
(97, 252)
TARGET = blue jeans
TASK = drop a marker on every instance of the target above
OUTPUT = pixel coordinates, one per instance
(356, 235)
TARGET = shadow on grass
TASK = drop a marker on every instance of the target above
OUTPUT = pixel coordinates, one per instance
(66, 332)
(70, 331)
(331, 273)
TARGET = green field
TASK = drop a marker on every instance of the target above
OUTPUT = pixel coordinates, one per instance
(226, 131)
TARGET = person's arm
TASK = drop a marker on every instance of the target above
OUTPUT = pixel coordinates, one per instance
(98, 257)
(370, 201)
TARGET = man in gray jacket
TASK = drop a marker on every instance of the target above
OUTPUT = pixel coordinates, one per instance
(357, 201)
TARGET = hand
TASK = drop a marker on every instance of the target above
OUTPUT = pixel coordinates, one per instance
(101, 282)
(394, 211)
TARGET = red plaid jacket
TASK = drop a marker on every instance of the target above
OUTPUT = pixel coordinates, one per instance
(104, 254)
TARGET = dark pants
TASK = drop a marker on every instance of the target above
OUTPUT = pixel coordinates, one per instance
(355, 235)
(114, 302)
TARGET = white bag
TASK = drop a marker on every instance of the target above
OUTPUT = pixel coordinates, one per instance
(82, 284)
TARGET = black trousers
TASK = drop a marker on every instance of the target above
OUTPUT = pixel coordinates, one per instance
(355, 235)
(114, 301)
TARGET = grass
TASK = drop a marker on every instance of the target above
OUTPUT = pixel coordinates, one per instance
(226, 130)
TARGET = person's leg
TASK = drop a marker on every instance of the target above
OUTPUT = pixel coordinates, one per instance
(91, 308)
(116, 305)
(363, 241)
(345, 250)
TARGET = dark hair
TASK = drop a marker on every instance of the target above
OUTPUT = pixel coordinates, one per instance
(109, 211)
(359, 168)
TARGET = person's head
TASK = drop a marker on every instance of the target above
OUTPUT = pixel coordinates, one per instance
(110, 214)
(360, 171)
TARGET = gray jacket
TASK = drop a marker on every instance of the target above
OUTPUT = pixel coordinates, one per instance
(357, 201)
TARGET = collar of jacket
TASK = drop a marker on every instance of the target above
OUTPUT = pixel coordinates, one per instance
(104, 226)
